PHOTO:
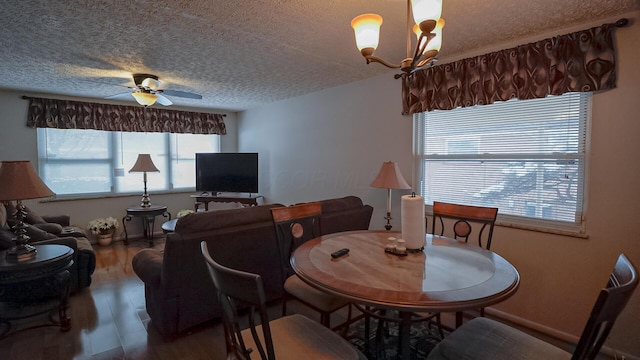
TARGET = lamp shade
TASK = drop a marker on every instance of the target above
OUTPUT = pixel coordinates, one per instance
(144, 164)
(367, 30)
(145, 98)
(426, 10)
(390, 177)
(436, 43)
(19, 181)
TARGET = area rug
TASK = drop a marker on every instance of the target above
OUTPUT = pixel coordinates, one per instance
(424, 337)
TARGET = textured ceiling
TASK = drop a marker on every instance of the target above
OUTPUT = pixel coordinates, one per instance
(241, 54)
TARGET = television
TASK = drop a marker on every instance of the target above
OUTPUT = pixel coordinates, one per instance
(227, 172)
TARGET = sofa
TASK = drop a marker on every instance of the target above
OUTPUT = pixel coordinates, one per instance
(179, 294)
(53, 230)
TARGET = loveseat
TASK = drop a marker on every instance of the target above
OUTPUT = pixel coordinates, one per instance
(178, 291)
(53, 230)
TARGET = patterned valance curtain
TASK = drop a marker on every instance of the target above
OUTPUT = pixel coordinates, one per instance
(580, 62)
(64, 114)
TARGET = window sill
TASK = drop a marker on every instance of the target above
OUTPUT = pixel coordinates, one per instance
(570, 233)
(61, 198)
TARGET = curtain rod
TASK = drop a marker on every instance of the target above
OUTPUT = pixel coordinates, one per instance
(25, 97)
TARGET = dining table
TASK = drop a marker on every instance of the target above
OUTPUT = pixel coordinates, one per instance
(446, 275)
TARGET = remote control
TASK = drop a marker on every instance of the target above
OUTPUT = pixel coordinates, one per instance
(339, 253)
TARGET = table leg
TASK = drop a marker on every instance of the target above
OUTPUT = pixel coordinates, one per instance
(404, 333)
(124, 225)
(63, 280)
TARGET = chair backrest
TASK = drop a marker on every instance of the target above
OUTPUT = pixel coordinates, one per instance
(610, 303)
(235, 287)
(294, 225)
(464, 216)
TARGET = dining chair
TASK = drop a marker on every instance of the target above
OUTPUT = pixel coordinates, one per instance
(486, 339)
(289, 337)
(465, 219)
(295, 225)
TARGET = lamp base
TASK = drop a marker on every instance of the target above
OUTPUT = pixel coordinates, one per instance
(21, 252)
(388, 218)
(145, 201)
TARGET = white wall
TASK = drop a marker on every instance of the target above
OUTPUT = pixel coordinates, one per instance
(332, 143)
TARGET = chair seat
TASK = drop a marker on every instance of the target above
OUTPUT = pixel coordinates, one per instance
(307, 293)
(482, 338)
(298, 337)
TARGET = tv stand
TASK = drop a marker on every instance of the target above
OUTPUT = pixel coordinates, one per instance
(205, 198)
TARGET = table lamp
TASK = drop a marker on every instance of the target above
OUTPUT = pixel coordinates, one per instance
(389, 178)
(144, 164)
(19, 181)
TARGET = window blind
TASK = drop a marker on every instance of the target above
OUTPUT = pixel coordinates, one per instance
(526, 157)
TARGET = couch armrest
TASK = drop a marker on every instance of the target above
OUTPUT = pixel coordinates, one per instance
(68, 241)
(147, 264)
(63, 220)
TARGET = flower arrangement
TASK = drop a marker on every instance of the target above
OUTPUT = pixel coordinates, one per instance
(103, 226)
(184, 212)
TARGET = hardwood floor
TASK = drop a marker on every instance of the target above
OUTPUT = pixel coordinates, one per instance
(109, 321)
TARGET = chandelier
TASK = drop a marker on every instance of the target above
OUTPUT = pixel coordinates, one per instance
(427, 26)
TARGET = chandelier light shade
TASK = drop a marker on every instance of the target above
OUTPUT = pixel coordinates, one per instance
(436, 42)
(428, 28)
(389, 177)
(367, 30)
(145, 98)
(19, 181)
(144, 164)
(425, 10)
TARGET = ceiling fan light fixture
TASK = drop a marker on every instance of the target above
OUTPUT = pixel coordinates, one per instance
(144, 98)
(151, 83)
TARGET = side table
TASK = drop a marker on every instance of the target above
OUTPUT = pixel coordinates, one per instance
(148, 216)
(29, 287)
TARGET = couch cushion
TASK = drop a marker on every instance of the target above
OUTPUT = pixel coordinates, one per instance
(212, 220)
(52, 228)
(37, 234)
(33, 217)
(340, 204)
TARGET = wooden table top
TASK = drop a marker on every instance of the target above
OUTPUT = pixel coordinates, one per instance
(447, 276)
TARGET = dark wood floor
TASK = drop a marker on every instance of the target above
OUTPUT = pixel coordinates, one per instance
(109, 321)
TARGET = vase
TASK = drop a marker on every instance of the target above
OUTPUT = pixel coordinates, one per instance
(105, 239)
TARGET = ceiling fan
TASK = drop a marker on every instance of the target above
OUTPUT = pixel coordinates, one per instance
(147, 91)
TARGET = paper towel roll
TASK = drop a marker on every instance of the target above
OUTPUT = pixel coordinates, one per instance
(413, 222)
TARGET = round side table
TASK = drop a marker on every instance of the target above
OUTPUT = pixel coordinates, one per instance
(148, 216)
(29, 287)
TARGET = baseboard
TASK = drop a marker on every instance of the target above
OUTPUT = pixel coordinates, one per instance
(566, 341)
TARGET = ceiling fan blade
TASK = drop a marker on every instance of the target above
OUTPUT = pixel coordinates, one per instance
(182, 94)
(122, 96)
(163, 100)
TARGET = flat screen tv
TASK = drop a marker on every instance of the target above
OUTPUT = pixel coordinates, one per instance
(227, 172)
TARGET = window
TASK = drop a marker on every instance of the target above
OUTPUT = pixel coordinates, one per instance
(92, 162)
(525, 157)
